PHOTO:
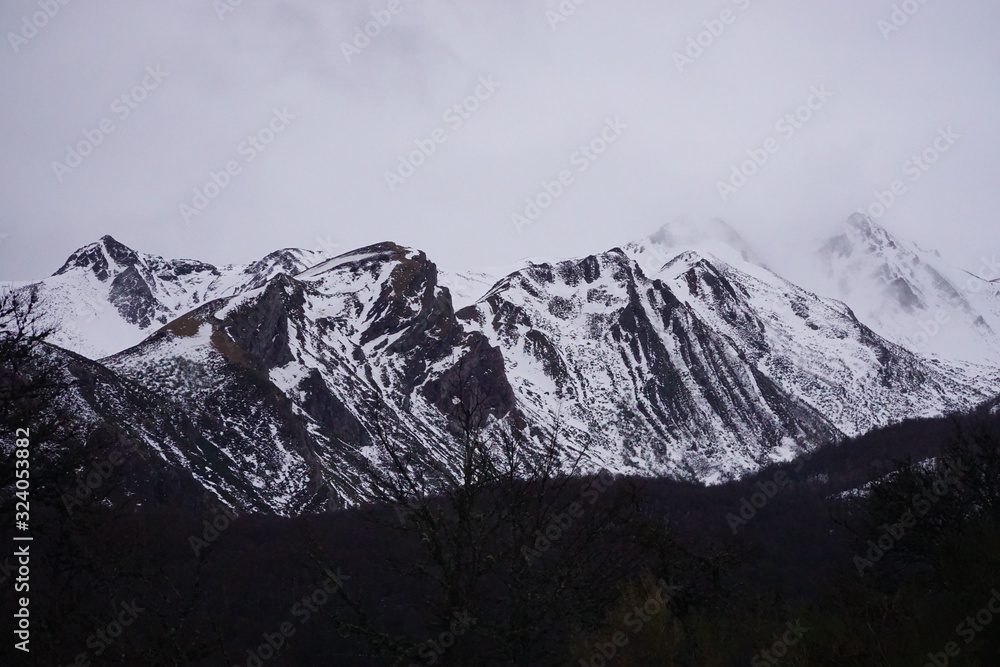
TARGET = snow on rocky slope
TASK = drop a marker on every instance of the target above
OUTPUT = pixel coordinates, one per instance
(913, 296)
(722, 368)
(676, 354)
(305, 369)
(108, 297)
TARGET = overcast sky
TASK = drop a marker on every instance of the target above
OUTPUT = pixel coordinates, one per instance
(338, 114)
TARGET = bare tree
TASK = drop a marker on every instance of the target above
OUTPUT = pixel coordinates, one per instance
(508, 532)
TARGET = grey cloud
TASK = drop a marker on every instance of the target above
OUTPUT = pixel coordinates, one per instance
(324, 178)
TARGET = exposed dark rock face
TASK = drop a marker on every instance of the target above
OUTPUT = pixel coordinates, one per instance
(478, 378)
(261, 331)
(414, 312)
(322, 405)
(131, 295)
(91, 257)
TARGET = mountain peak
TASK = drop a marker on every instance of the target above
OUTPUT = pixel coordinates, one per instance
(908, 294)
(119, 252)
(862, 227)
(712, 236)
(685, 231)
(291, 260)
(99, 255)
(862, 221)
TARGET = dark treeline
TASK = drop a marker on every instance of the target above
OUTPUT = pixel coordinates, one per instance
(510, 562)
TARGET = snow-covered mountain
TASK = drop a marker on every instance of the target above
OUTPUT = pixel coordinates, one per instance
(721, 367)
(273, 384)
(108, 297)
(289, 381)
(912, 296)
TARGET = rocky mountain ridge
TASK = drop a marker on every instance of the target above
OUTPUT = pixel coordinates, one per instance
(275, 384)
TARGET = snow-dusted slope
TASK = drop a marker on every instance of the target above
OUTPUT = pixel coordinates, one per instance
(293, 379)
(274, 383)
(702, 365)
(912, 296)
(817, 349)
(108, 297)
(633, 375)
(467, 287)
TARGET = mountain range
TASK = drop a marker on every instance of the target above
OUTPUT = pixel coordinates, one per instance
(274, 384)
